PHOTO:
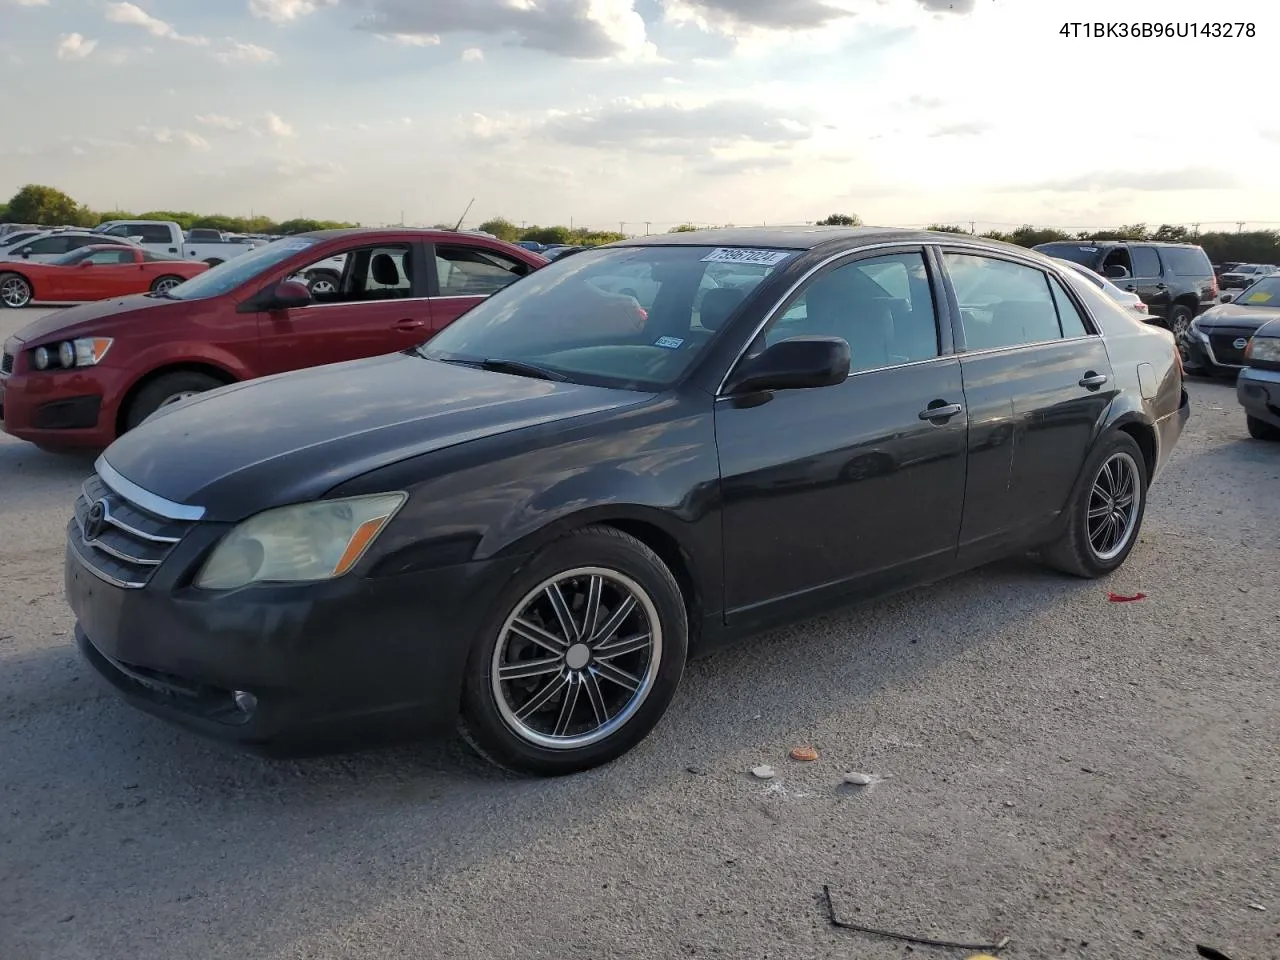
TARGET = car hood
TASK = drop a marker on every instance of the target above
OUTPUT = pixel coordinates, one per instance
(291, 437)
(87, 317)
(1236, 316)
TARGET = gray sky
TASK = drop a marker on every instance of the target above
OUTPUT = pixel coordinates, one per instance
(726, 111)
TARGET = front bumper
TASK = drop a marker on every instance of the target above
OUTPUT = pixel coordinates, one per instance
(1223, 359)
(323, 661)
(62, 409)
(1259, 393)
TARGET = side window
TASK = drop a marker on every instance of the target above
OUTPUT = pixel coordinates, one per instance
(1146, 262)
(882, 306)
(75, 243)
(362, 275)
(120, 230)
(48, 245)
(152, 233)
(1002, 304)
(465, 271)
(1069, 318)
(110, 256)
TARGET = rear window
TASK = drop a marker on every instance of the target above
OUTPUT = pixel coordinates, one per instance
(1084, 254)
(1186, 262)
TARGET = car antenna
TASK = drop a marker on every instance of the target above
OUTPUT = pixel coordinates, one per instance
(458, 225)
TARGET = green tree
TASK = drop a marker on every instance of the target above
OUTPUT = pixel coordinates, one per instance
(946, 228)
(841, 220)
(1028, 236)
(684, 228)
(547, 235)
(48, 206)
(4, 213)
(1171, 234)
(502, 228)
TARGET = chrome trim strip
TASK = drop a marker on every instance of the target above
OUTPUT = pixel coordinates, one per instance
(104, 577)
(145, 498)
(120, 524)
(112, 551)
(349, 303)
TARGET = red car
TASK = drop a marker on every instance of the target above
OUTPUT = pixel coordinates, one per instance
(96, 272)
(81, 377)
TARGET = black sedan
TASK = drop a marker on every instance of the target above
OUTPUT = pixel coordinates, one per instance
(526, 525)
(1217, 338)
(1258, 387)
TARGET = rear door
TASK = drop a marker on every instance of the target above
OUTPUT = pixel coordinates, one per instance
(379, 306)
(464, 274)
(1037, 381)
(1149, 281)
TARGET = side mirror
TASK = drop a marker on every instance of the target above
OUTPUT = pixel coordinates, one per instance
(288, 295)
(26, 253)
(1226, 298)
(796, 363)
(1116, 272)
(85, 263)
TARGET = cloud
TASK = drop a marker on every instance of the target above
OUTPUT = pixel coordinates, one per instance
(947, 6)
(577, 29)
(169, 137)
(924, 103)
(73, 46)
(411, 39)
(730, 16)
(667, 127)
(1187, 178)
(966, 129)
(738, 166)
(277, 127)
(219, 122)
(472, 55)
(237, 52)
(30, 3)
(285, 11)
(133, 15)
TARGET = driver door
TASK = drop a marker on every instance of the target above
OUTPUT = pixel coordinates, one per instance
(104, 274)
(836, 489)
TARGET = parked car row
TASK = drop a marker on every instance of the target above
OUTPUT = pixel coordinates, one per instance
(522, 519)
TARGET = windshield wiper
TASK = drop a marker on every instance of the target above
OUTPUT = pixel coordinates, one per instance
(521, 368)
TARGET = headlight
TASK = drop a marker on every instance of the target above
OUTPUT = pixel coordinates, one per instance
(1266, 349)
(305, 542)
(85, 352)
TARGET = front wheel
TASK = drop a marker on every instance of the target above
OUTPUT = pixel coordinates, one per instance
(580, 658)
(1179, 324)
(1105, 513)
(15, 291)
(1261, 430)
(165, 390)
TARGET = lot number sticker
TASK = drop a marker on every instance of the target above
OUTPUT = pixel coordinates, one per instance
(1260, 297)
(671, 343)
(756, 258)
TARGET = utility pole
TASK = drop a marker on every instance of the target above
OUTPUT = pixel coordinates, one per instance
(622, 226)
(647, 224)
(1240, 225)
(1195, 229)
(971, 224)
(570, 221)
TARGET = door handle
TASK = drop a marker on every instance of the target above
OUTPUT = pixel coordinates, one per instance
(1092, 381)
(409, 324)
(940, 410)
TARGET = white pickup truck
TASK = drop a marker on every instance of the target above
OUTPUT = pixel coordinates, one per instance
(160, 236)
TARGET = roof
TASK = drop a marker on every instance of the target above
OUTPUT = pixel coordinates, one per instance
(782, 238)
(344, 232)
(1116, 243)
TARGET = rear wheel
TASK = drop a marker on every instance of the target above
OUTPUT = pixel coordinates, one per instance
(165, 284)
(1105, 513)
(1261, 430)
(166, 390)
(1179, 324)
(15, 291)
(580, 658)
(322, 283)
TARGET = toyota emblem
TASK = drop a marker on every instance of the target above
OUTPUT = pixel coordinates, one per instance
(1240, 343)
(95, 520)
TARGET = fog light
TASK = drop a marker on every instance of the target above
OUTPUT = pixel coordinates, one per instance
(245, 701)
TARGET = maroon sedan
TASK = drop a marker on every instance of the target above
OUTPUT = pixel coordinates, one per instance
(82, 377)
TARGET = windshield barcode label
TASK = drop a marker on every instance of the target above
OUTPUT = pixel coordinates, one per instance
(757, 258)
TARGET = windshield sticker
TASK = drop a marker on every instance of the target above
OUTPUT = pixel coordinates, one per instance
(294, 243)
(671, 343)
(1260, 297)
(756, 258)
(1089, 249)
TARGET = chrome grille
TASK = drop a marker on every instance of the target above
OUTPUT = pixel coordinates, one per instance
(116, 539)
(1224, 350)
(6, 364)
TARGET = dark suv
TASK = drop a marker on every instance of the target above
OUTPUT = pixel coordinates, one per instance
(1174, 280)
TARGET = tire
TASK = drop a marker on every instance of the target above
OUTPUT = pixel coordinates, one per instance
(166, 283)
(15, 291)
(1261, 430)
(166, 389)
(322, 283)
(1080, 551)
(552, 743)
(1178, 322)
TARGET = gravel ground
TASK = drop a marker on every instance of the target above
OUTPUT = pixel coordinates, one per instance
(1089, 779)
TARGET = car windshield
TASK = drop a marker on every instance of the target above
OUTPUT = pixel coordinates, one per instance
(1102, 283)
(1263, 293)
(629, 317)
(225, 277)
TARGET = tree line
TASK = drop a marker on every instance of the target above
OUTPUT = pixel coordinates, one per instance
(49, 206)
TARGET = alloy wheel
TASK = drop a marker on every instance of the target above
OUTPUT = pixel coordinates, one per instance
(577, 658)
(177, 397)
(165, 285)
(322, 287)
(15, 292)
(1114, 504)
